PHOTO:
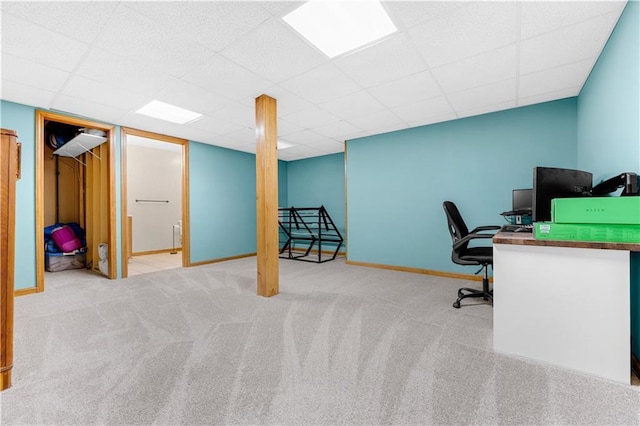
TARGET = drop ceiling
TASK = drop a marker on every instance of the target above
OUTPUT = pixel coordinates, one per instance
(448, 60)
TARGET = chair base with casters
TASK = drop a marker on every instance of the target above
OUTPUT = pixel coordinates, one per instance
(485, 293)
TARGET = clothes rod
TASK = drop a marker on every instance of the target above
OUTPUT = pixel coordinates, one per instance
(152, 201)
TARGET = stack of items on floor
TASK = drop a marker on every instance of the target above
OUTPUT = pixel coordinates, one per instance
(64, 247)
(596, 219)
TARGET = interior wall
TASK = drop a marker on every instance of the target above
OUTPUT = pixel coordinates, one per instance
(397, 182)
(319, 181)
(609, 123)
(21, 118)
(154, 174)
(283, 182)
(222, 202)
(68, 192)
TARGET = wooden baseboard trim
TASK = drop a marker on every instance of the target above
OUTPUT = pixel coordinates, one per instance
(418, 271)
(635, 366)
(222, 259)
(146, 253)
(25, 291)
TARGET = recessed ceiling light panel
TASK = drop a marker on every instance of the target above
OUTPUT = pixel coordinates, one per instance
(336, 27)
(168, 112)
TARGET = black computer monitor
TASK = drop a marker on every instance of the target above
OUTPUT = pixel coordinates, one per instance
(550, 183)
(522, 200)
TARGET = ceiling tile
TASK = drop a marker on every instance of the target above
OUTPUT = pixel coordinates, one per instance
(26, 40)
(239, 114)
(286, 102)
(365, 66)
(555, 79)
(425, 121)
(539, 17)
(467, 31)
(302, 151)
(93, 91)
(408, 14)
(311, 117)
(286, 128)
(215, 125)
(385, 119)
(305, 137)
(135, 36)
(271, 50)
(490, 94)
(353, 105)
(321, 84)
(496, 65)
(32, 74)
(340, 130)
(194, 98)
(215, 24)
(570, 44)
(122, 72)
(220, 75)
(409, 90)
(329, 146)
(280, 8)
(435, 107)
(88, 109)
(79, 20)
(27, 95)
(244, 135)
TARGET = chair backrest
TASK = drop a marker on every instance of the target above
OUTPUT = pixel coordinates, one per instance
(457, 228)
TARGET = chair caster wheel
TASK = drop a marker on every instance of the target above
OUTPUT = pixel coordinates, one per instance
(456, 304)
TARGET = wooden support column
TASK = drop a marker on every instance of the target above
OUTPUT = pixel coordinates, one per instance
(267, 195)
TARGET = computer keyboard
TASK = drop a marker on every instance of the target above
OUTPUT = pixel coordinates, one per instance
(517, 228)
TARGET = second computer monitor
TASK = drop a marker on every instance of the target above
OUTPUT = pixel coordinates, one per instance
(522, 200)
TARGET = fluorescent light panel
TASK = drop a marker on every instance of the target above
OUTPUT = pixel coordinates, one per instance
(336, 27)
(284, 145)
(168, 112)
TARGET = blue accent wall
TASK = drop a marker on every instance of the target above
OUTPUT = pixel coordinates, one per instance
(283, 182)
(222, 202)
(609, 123)
(21, 118)
(396, 182)
(319, 181)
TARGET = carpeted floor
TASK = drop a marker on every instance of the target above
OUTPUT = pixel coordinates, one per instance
(339, 345)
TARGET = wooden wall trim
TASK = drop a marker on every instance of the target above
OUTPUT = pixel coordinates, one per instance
(222, 259)
(124, 222)
(186, 255)
(41, 117)
(418, 271)
(25, 291)
(147, 253)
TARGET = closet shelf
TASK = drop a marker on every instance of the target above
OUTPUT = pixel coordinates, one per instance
(79, 145)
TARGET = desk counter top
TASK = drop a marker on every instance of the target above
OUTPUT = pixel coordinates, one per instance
(527, 239)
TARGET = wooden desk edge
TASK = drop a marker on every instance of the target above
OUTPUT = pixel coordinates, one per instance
(527, 239)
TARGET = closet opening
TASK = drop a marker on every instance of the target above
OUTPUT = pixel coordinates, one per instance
(154, 202)
(75, 191)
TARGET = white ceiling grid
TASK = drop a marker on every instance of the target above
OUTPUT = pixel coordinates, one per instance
(448, 60)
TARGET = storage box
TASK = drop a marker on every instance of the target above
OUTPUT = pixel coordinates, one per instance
(54, 262)
(608, 233)
(611, 210)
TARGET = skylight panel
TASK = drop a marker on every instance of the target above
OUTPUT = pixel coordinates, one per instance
(337, 27)
(168, 112)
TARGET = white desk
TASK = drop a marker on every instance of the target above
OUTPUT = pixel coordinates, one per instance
(565, 303)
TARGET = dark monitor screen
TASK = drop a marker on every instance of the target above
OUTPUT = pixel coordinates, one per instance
(522, 199)
(550, 183)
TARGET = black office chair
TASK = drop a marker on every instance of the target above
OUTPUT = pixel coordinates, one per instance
(462, 254)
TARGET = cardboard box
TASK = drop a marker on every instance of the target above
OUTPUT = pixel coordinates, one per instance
(610, 210)
(606, 233)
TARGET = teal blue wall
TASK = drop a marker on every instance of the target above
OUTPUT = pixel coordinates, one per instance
(222, 202)
(21, 118)
(283, 182)
(318, 181)
(608, 105)
(396, 182)
(609, 123)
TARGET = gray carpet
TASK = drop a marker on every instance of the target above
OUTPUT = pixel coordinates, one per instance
(339, 345)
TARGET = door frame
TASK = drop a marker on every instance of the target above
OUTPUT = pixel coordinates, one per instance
(124, 131)
(41, 117)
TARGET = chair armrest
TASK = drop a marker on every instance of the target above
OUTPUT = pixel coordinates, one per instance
(485, 228)
(470, 237)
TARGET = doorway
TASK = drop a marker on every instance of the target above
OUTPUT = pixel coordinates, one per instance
(154, 202)
(75, 182)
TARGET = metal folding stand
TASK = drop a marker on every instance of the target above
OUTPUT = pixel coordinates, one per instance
(311, 227)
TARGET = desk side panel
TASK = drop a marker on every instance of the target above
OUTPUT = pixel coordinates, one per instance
(564, 306)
